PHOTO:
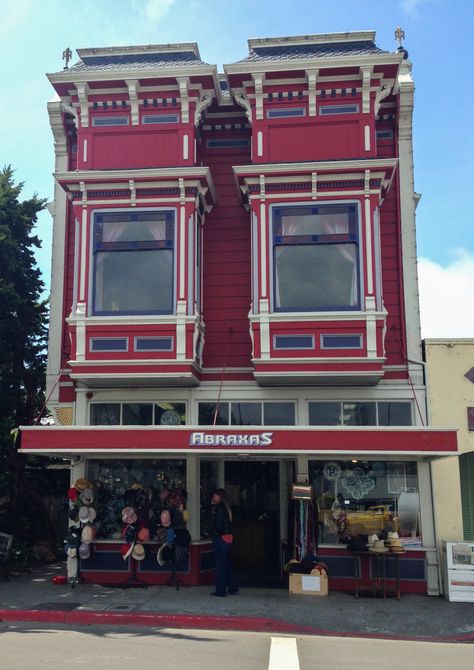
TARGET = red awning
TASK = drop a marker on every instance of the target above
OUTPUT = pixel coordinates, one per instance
(122, 441)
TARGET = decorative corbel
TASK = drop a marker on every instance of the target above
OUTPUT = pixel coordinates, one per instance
(383, 92)
(311, 78)
(262, 188)
(83, 190)
(133, 88)
(366, 73)
(57, 128)
(82, 94)
(183, 83)
(203, 103)
(366, 183)
(182, 191)
(133, 192)
(70, 110)
(242, 100)
(258, 80)
(314, 185)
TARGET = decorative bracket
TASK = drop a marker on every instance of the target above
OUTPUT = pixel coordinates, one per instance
(366, 73)
(258, 80)
(57, 128)
(262, 188)
(133, 192)
(70, 110)
(242, 100)
(311, 77)
(83, 190)
(182, 191)
(183, 83)
(314, 185)
(82, 94)
(133, 88)
(383, 92)
(203, 103)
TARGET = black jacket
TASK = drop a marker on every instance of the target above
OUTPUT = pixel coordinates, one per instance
(220, 523)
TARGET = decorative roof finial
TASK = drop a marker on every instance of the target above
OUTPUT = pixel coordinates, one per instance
(67, 55)
(399, 36)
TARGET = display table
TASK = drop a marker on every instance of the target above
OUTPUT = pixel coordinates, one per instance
(378, 575)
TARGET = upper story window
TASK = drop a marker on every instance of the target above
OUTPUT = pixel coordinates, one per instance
(285, 112)
(110, 120)
(315, 258)
(247, 414)
(133, 262)
(160, 118)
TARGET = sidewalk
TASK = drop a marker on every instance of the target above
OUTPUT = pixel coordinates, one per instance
(33, 597)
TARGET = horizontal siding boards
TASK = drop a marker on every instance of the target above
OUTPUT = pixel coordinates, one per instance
(226, 269)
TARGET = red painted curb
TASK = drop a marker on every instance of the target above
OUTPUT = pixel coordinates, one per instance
(231, 623)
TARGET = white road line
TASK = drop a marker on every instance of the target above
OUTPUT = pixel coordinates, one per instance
(283, 654)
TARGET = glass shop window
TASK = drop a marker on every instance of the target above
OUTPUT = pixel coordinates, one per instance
(247, 414)
(113, 478)
(105, 414)
(208, 478)
(366, 497)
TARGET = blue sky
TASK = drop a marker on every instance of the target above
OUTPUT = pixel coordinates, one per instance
(439, 40)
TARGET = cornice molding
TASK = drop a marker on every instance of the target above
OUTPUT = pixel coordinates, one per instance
(57, 127)
(326, 166)
(321, 38)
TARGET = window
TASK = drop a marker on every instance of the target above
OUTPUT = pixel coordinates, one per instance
(315, 258)
(160, 118)
(138, 414)
(228, 143)
(285, 112)
(153, 344)
(133, 263)
(384, 134)
(341, 341)
(247, 414)
(108, 344)
(110, 120)
(113, 478)
(364, 497)
(347, 413)
(326, 110)
(293, 341)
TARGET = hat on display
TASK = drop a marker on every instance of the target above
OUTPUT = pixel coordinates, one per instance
(378, 547)
(165, 555)
(373, 538)
(84, 551)
(82, 484)
(87, 534)
(138, 552)
(136, 486)
(92, 514)
(165, 518)
(87, 496)
(73, 514)
(126, 550)
(177, 498)
(73, 538)
(161, 535)
(72, 494)
(84, 514)
(129, 534)
(144, 535)
(357, 543)
(392, 535)
(129, 516)
(71, 552)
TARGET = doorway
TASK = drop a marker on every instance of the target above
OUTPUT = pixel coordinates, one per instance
(253, 489)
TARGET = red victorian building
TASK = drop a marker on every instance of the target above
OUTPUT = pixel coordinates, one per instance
(234, 300)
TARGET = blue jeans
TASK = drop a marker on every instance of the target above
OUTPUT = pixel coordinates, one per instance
(224, 577)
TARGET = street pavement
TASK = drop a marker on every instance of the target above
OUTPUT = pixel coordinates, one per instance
(28, 646)
(33, 597)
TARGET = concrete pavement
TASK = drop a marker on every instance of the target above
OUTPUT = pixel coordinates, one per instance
(33, 597)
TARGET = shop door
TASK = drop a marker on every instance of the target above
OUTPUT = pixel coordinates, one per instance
(253, 490)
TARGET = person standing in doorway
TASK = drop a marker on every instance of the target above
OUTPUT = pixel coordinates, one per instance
(220, 528)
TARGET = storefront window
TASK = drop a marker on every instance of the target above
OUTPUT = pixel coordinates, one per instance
(138, 414)
(247, 414)
(348, 413)
(113, 478)
(366, 497)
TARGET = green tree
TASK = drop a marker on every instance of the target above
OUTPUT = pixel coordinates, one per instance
(23, 331)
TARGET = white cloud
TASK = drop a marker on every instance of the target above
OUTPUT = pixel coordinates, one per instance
(153, 10)
(412, 7)
(447, 296)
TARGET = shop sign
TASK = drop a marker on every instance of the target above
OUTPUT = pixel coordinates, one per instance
(230, 440)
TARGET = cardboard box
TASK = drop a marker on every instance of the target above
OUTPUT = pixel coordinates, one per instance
(308, 585)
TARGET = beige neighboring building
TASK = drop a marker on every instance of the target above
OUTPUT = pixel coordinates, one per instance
(450, 392)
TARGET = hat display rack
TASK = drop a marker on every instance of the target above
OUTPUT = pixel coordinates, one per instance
(82, 528)
(136, 516)
(302, 522)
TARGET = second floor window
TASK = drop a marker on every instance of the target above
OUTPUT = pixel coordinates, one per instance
(315, 258)
(133, 262)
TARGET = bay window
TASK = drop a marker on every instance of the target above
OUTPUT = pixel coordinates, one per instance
(315, 258)
(133, 262)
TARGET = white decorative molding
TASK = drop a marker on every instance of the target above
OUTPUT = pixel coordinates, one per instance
(183, 83)
(82, 94)
(70, 110)
(182, 251)
(84, 151)
(133, 192)
(366, 73)
(259, 143)
(185, 147)
(57, 127)
(242, 100)
(133, 87)
(371, 327)
(264, 330)
(181, 330)
(80, 331)
(382, 93)
(314, 185)
(367, 138)
(311, 77)
(259, 80)
(263, 251)
(203, 103)
(368, 233)
(83, 257)
(262, 187)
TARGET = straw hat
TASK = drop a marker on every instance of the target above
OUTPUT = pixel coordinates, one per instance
(378, 547)
(138, 552)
